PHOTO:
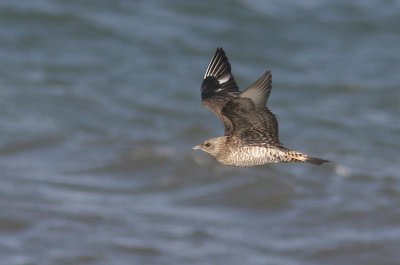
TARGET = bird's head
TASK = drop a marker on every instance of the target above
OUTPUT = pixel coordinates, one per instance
(212, 146)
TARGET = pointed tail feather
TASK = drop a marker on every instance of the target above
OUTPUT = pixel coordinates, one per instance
(316, 161)
(295, 156)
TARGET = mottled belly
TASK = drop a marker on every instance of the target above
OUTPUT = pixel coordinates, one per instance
(253, 156)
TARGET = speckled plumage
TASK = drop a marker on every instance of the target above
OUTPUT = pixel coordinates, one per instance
(251, 129)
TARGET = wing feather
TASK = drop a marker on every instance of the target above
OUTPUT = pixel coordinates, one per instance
(219, 86)
(259, 91)
(218, 82)
(252, 125)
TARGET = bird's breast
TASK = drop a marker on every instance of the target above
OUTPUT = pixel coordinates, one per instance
(247, 156)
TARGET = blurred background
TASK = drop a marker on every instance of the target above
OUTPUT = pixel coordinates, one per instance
(100, 106)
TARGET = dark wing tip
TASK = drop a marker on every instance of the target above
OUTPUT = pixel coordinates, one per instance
(218, 80)
(219, 65)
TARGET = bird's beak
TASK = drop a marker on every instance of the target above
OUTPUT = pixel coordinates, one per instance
(196, 147)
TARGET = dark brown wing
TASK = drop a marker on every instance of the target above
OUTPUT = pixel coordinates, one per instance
(218, 85)
(250, 119)
(253, 126)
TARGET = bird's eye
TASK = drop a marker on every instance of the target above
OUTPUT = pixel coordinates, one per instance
(207, 144)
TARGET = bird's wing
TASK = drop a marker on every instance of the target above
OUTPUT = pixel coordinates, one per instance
(218, 85)
(251, 124)
(259, 91)
(218, 79)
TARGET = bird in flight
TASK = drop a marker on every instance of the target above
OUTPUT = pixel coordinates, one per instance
(251, 129)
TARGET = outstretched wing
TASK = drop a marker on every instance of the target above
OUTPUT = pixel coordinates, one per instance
(259, 91)
(251, 120)
(218, 80)
(218, 85)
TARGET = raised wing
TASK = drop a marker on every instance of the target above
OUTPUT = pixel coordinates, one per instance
(218, 85)
(259, 91)
(218, 80)
(250, 119)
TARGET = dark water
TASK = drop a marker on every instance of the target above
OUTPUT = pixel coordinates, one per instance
(100, 107)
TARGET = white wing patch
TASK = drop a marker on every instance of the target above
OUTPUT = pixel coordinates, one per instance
(224, 79)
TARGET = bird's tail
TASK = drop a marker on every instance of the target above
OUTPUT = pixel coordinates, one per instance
(294, 156)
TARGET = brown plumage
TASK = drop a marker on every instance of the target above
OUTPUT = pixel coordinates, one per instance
(218, 85)
(251, 129)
